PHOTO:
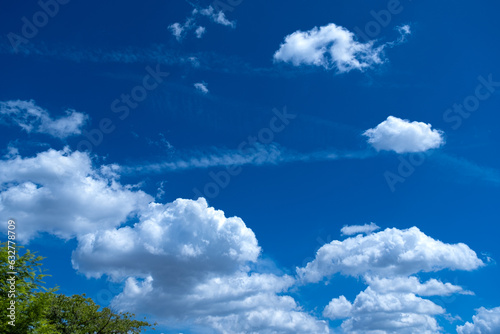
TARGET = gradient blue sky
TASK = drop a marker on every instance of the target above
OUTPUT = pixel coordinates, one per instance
(318, 174)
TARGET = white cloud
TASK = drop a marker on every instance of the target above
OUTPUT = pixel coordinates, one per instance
(200, 31)
(359, 229)
(61, 193)
(486, 321)
(331, 47)
(217, 16)
(392, 302)
(179, 30)
(412, 284)
(202, 87)
(373, 313)
(401, 136)
(388, 253)
(33, 118)
(185, 260)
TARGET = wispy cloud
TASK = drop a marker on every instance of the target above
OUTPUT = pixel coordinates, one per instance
(259, 155)
(180, 30)
(471, 170)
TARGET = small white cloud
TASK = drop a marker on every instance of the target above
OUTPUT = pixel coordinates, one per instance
(202, 87)
(359, 229)
(180, 30)
(199, 32)
(177, 30)
(331, 47)
(217, 16)
(33, 118)
(402, 136)
(486, 321)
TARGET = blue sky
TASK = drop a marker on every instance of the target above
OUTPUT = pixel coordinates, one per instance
(241, 166)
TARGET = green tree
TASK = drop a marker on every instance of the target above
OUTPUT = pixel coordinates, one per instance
(31, 298)
(42, 311)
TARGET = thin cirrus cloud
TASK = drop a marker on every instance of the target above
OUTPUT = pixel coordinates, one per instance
(34, 119)
(402, 136)
(333, 47)
(387, 262)
(256, 155)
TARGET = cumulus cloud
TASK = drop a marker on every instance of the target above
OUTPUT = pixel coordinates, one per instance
(486, 321)
(60, 192)
(387, 261)
(391, 252)
(201, 87)
(187, 260)
(402, 136)
(359, 229)
(331, 47)
(33, 118)
(372, 312)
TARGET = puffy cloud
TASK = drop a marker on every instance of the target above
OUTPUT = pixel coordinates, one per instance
(201, 87)
(60, 192)
(372, 312)
(185, 260)
(401, 136)
(392, 302)
(359, 229)
(486, 321)
(331, 47)
(388, 253)
(391, 305)
(33, 118)
(178, 238)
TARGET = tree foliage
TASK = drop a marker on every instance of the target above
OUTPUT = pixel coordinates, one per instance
(42, 311)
